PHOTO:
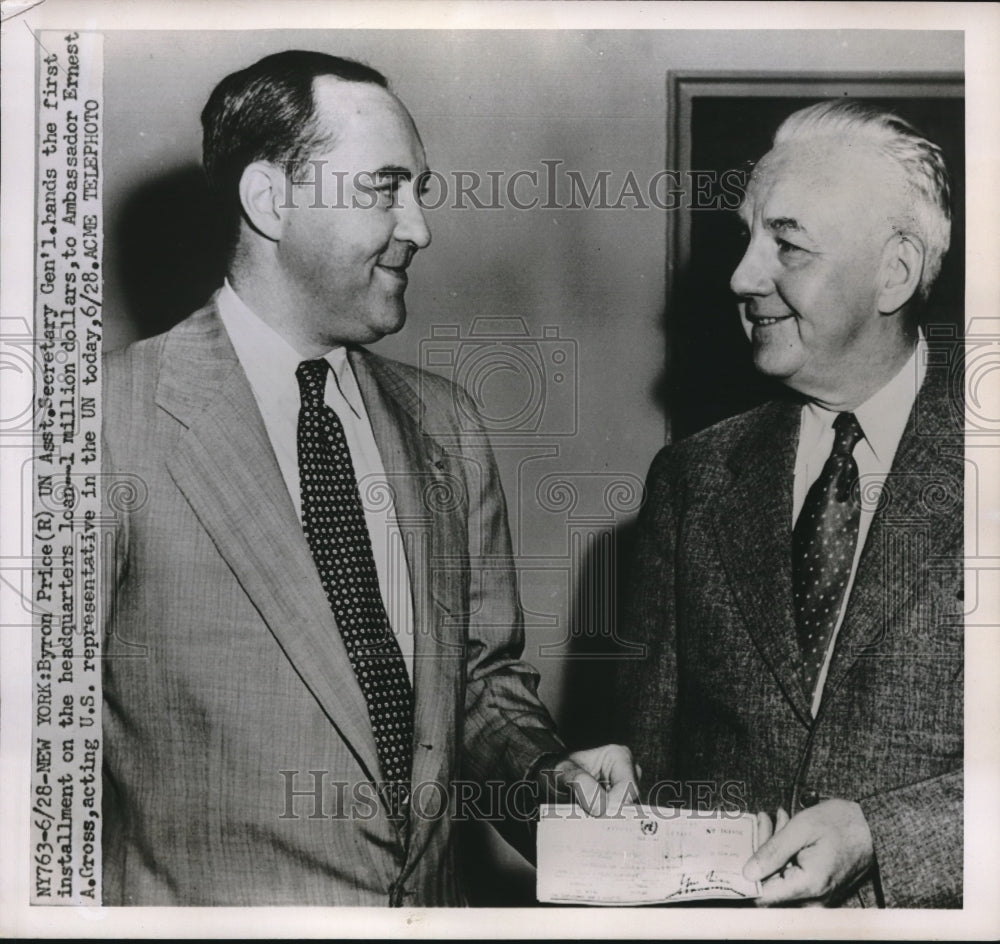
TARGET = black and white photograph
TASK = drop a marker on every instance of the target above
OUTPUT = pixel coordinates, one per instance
(500, 470)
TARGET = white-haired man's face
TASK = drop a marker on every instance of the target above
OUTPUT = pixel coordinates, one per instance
(819, 217)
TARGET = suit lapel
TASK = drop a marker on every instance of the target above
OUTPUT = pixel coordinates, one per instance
(917, 522)
(422, 480)
(754, 532)
(226, 469)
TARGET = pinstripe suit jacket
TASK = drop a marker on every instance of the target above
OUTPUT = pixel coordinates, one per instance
(226, 683)
(717, 703)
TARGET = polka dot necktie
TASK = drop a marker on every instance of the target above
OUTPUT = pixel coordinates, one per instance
(334, 522)
(823, 546)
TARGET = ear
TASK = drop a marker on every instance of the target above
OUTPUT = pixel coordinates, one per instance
(899, 275)
(262, 194)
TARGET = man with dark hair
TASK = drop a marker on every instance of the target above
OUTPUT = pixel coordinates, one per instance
(312, 630)
(265, 112)
(799, 569)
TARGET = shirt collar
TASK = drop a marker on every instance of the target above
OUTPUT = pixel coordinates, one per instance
(268, 359)
(883, 415)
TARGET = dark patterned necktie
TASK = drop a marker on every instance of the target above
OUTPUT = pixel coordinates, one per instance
(823, 545)
(334, 522)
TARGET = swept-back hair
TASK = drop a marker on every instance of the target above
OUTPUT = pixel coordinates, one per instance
(267, 112)
(927, 213)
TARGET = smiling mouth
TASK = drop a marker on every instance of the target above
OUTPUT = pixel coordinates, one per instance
(765, 321)
(398, 272)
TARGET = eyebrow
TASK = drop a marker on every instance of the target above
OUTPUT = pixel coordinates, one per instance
(396, 171)
(393, 170)
(785, 224)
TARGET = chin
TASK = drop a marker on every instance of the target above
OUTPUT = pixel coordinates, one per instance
(767, 364)
(778, 360)
(383, 323)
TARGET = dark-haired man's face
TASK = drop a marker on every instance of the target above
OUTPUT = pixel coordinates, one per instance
(355, 221)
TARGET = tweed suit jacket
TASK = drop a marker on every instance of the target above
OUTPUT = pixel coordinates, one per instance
(227, 687)
(716, 713)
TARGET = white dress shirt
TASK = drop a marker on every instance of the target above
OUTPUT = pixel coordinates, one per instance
(882, 418)
(269, 362)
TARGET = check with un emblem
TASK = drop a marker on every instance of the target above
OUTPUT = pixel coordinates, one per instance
(646, 855)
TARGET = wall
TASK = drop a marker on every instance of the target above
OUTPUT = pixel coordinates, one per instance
(490, 101)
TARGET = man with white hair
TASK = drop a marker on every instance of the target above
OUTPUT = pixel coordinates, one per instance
(799, 570)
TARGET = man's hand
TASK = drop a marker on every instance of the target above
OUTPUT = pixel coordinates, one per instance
(815, 857)
(600, 780)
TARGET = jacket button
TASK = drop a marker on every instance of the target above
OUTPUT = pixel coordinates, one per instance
(810, 798)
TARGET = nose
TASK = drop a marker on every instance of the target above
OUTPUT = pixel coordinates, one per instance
(411, 226)
(753, 274)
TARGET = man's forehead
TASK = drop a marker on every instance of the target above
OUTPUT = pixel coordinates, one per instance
(335, 96)
(801, 178)
(364, 115)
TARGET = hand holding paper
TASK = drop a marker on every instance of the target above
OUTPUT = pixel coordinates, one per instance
(815, 856)
(599, 780)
